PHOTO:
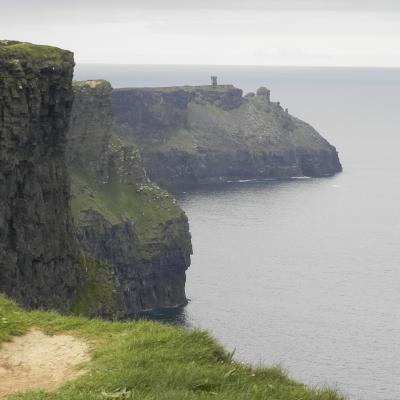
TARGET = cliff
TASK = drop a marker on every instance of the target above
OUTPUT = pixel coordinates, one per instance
(203, 134)
(112, 243)
(37, 250)
(123, 220)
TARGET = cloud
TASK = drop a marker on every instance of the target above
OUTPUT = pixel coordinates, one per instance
(292, 32)
(299, 5)
(94, 8)
(53, 12)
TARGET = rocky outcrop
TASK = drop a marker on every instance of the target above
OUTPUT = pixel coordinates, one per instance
(123, 220)
(190, 135)
(37, 250)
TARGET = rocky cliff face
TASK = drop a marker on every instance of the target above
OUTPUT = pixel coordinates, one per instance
(89, 138)
(37, 251)
(190, 135)
(124, 220)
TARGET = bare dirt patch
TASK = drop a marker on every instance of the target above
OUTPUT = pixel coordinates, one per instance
(39, 361)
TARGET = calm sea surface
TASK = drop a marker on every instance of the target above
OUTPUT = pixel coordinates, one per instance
(305, 272)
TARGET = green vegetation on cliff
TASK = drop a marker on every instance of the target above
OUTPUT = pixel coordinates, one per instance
(150, 361)
(37, 54)
(144, 203)
(117, 189)
(121, 218)
(92, 84)
(98, 294)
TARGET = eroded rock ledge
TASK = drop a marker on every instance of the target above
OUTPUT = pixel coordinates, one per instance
(204, 134)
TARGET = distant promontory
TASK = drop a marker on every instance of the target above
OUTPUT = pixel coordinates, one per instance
(208, 134)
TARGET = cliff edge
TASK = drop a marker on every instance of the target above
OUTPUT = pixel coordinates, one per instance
(205, 134)
(37, 247)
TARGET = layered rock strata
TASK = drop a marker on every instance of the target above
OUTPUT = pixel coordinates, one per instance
(37, 249)
(122, 218)
(204, 134)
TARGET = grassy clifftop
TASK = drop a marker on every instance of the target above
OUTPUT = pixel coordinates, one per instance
(36, 54)
(149, 361)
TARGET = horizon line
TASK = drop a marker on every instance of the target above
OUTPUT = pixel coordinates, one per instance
(240, 65)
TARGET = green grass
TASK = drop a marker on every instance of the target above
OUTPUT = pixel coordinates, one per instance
(99, 293)
(92, 84)
(34, 53)
(150, 361)
(142, 202)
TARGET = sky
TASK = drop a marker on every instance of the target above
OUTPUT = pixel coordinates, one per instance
(221, 32)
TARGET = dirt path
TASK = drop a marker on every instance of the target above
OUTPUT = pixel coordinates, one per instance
(39, 361)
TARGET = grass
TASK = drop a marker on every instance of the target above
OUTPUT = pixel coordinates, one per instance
(92, 84)
(34, 53)
(149, 361)
(98, 295)
(98, 84)
(142, 202)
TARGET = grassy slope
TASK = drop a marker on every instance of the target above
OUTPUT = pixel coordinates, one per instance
(146, 360)
(144, 203)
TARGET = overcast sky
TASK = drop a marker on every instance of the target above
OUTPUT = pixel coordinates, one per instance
(243, 32)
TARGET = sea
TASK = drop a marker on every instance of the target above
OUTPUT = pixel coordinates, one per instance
(301, 273)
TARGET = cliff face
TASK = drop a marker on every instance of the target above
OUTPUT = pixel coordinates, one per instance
(204, 134)
(123, 219)
(89, 138)
(37, 251)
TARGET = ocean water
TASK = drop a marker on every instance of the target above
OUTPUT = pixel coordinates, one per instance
(304, 273)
